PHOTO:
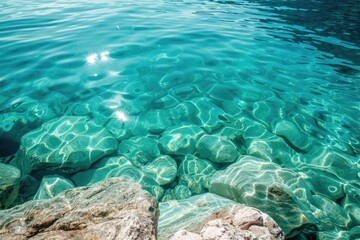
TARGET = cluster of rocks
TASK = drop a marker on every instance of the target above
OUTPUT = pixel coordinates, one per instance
(182, 146)
(120, 209)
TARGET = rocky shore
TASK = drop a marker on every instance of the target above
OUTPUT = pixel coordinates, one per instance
(120, 209)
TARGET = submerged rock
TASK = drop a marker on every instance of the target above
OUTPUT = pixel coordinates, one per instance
(9, 184)
(265, 185)
(209, 216)
(118, 166)
(52, 185)
(66, 144)
(180, 140)
(139, 150)
(113, 209)
(195, 173)
(216, 149)
(163, 170)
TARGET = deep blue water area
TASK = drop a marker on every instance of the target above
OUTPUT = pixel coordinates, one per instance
(283, 76)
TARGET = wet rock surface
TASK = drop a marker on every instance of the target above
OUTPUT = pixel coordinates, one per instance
(209, 216)
(9, 184)
(66, 144)
(112, 209)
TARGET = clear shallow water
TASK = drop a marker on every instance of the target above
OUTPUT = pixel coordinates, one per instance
(149, 62)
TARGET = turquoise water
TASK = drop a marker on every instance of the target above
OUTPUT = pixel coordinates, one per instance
(284, 74)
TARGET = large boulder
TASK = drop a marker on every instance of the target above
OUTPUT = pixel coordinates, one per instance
(66, 144)
(113, 209)
(209, 216)
(9, 184)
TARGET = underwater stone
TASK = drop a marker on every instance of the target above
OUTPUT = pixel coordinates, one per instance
(52, 185)
(292, 134)
(210, 116)
(193, 213)
(9, 184)
(13, 125)
(106, 210)
(344, 166)
(103, 169)
(265, 185)
(180, 140)
(118, 166)
(323, 181)
(351, 202)
(66, 144)
(139, 150)
(163, 169)
(216, 149)
(265, 111)
(155, 121)
(118, 129)
(332, 213)
(196, 172)
(181, 192)
(177, 193)
(271, 148)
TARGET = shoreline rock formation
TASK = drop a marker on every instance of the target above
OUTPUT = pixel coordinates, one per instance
(119, 209)
(112, 209)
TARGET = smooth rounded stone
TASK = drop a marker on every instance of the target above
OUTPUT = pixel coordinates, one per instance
(265, 111)
(216, 149)
(355, 233)
(118, 166)
(52, 185)
(292, 134)
(163, 169)
(103, 169)
(184, 112)
(177, 193)
(155, 121)
(322, 181)
(351, 202)
(332, 213)
(233, 134)
(277, 191)
(192, 214)
(14, 124)
(139, 150)
(232, 108)
(119, 128)
(80, 109)
(195, 173)
(106, 210)
(66, 144)
(210, 116)
(271, 148)
(223, 91)
(165, 102)
(344, 166)
(9, 184)
(180, 140)
(181, 192)
(168, 195)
